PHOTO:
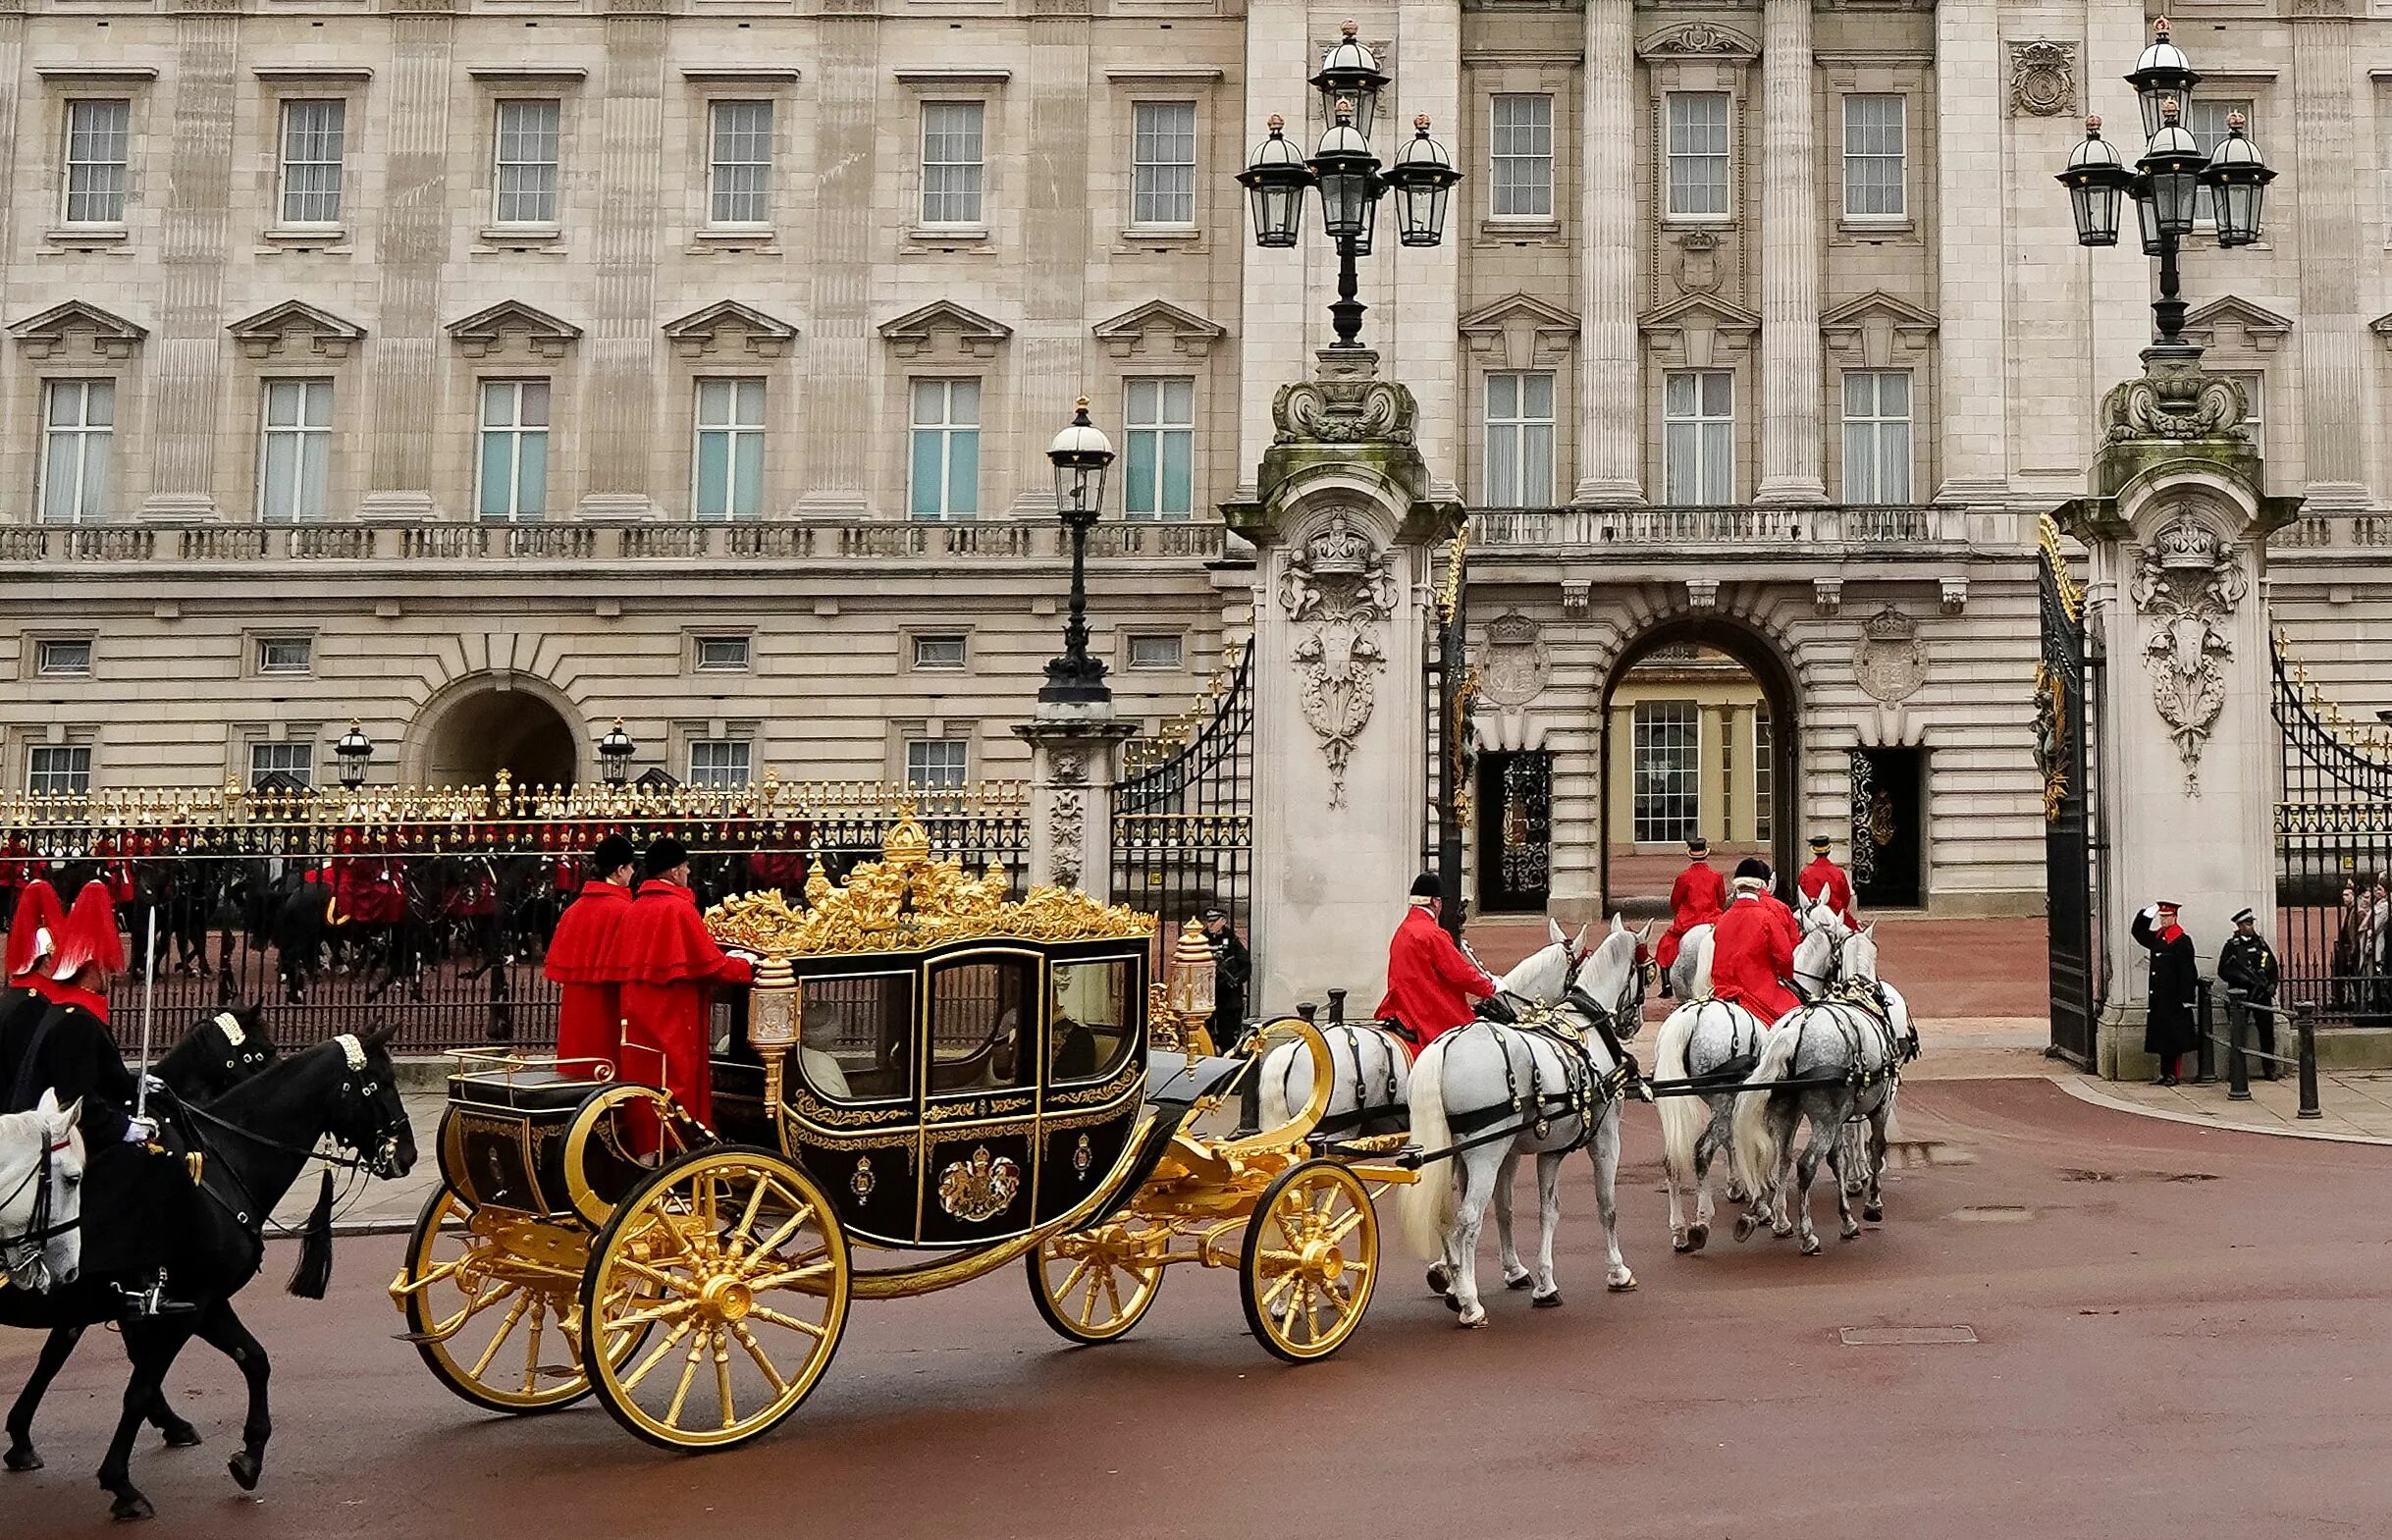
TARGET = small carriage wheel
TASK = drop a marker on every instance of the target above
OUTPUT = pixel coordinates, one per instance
(733, 1256)
(1310, 1259)
(1093, 1285)
(500, 1335)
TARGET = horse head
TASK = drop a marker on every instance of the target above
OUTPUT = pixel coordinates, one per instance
(1856, 959)
(1816, 957)
(1612, 980)
(1543, 975)
(370, 1117)
(41, 1194)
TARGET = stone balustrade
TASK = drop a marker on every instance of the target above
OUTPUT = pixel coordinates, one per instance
(1696, 528)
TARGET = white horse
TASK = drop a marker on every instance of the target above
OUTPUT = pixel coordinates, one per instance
(41, 1200)
(1691, 968)
(1370, 1068)
(1522, 1092)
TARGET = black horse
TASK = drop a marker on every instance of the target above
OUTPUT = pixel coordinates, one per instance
(255, 1141)
(217, 1055)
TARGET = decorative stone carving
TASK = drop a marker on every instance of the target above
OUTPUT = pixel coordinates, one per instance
(1067, 818)
(511, 324)
(1577, 597)
(1703, 593)
(297, 326)
(2188, 583)
(1340, 589)
(1157, 326)
(1890, 662)
(1344, 402)
(2042, 78)
(1826, 595)
(1698, 38)
(729, 328)
(965, 333)
(1515, 669)
(1070, 768)
(53, 333)
(1698, 263)
(1955, 594)
(2173, 399)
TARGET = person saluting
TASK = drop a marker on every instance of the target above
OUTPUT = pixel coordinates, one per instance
(2168, 1031)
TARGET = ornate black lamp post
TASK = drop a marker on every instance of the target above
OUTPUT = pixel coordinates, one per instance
(1351, 179)
(355, 751)
(1080, 455)
(2168, 181)
(614, 752)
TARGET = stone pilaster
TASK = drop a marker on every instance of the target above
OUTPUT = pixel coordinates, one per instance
(1074, 763)
(190, 347)
(838, 346)
(1422, 302)
(1610, 411)
(621, 341)
(1969, 259)
(2332, 332)
(1276, 294)
(1790, 447)
(1051, 345)
(403, 387)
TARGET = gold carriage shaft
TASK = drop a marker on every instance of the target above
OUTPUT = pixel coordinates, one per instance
(925, 1068)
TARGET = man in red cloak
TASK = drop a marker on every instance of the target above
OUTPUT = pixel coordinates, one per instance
(1752, 947)
(668, 966)
(580, 961)
(1695, 899)
(1824, 879)
(1430, 983)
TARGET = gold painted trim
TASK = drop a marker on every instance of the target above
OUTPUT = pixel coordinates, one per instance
(593, 1209)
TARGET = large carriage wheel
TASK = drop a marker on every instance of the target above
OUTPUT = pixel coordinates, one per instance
(499, 1334)
(1310, 1259)
(1093, 1285)
(733, 1256)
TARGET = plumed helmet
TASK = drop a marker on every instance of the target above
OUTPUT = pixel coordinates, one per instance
(613, 852)
(32, 933)
(663, 855)
(1426, 886)
(89, 938)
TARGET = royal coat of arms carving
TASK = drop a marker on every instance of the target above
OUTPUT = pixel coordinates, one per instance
(2188, 583)
(1338, 591)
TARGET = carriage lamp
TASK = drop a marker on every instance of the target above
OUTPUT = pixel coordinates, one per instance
(355, 751)
(1191, 992)
(1080, 455)
(774, 1017)
(614, 752)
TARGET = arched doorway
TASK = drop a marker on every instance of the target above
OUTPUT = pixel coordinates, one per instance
(480, 726)
(1701, 735)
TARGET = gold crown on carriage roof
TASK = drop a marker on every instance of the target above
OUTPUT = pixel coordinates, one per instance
(906, 900)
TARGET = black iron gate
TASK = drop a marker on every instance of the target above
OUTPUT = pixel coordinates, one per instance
(1183, 811)
(2333, 857)
(1889, 838)
(2060, 681)
(1515, 831)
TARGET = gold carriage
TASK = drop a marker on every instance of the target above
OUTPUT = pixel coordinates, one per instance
(924, 1068)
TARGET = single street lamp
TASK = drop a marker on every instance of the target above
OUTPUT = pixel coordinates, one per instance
(1080, 455)
(355, 751)
(614, 752)
(1350, 178)
(2168, 181)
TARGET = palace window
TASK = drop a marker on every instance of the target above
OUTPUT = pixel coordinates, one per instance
(1520, 439)
(99, 146)
(295, 451)
(1877, 435)
(1161, 651)
(1162, 175)
(284, 654)
(739, 175)
(61, 770)
(720, 764)
(944, 481)
(79, 432)
(938, 652)
(1873, 184)
(525, 166)
(722, 654)
(937, 764)
(514, 449)
(63, 659)
(1698, 155)
(312, 140)
(1669, 778)
(294, 760)
(728, 459)
(1698, 436)
(1159, 478)
(951, 151)
(1764, 776)
(1521, 156)
(2255, 420)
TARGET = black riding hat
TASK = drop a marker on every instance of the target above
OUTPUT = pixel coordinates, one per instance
(663, 855)
(1426, 886)
(1753, 867)
(613, 852)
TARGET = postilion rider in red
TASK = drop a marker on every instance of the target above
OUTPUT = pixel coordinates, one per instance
(668, 967)
(1752, 948)
(580, 961)
(1822, 878)
(1695, 899)
(1430, 983)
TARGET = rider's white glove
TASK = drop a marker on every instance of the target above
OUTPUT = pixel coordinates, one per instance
(2151, 911)
(140, 1131)
(152, 1086)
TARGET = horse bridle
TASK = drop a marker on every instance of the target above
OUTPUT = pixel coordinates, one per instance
(39, 1230)
(376, 1164)
(1836, 936)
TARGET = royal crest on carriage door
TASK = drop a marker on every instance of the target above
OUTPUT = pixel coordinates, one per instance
(1338, 592)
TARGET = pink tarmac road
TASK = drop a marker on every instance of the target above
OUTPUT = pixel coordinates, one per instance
(2179, 1332)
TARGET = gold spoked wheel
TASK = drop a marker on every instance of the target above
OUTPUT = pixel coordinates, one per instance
(734, 1259)
(500, 1325)
(1093, 1285)
(1310, 1259)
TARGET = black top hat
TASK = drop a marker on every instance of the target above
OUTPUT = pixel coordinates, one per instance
(1696, 844)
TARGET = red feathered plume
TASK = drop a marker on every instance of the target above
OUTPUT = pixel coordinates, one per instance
(37, 910)
(89, 938)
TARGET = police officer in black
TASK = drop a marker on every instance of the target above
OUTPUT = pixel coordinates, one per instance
(2249, 964)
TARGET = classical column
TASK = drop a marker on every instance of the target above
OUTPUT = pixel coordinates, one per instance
(189, 361)
(404, 379)
(1420, 286)
(625, 350)
(1610, 410)
(1051, 346)
(1790, 448)
(2331, 331)
(1275, 306)
(837, 347)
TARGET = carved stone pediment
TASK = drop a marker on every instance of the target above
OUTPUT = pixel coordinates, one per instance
(1155, 326)
(1700, 328)
(942, 326)
(1698, 39)
(728, 329)
(1876, 326)
(295, 329)
(62, 328)
(2236, 323)
(514, 327)
(1521, 332)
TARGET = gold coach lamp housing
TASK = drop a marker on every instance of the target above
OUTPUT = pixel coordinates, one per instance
(1191, 992)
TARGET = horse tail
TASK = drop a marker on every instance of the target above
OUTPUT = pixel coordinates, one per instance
(1701, 966)
(1273, 1069)
(1678, 1117)
(1755, 1146)
(1428, 1206)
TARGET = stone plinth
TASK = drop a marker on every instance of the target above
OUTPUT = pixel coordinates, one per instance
(1074, 757)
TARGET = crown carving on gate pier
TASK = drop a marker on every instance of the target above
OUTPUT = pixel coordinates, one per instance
(1889, 625)
(1340, 550)
(2188, 546)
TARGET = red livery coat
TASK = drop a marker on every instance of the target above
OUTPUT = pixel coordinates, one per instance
(1826, 877)
(1695, 899)
(589, 1001)
(1752, 954)
(1429, 983)
(668, 966)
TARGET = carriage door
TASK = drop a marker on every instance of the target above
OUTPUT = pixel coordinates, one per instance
(1889, 845)
(1514, 833)
(980, 1049)
(1090, 1101)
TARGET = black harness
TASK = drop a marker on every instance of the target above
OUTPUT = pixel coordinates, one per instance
(1583, 1094)
(40, 1230)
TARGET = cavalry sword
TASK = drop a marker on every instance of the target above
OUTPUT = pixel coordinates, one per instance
(149, 1012)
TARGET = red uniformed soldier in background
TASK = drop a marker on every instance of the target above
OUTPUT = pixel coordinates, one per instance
(1695, 899)
(1823, 880)
(580, 961)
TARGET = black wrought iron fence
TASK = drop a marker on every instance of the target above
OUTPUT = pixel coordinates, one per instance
(2333, 831)
(1183, 812)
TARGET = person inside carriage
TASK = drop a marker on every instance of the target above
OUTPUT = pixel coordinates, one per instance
(1752, 947)
(1695, 899)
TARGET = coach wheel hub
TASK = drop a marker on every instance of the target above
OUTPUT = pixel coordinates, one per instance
(725, 1298)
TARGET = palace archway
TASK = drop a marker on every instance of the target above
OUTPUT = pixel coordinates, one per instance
(482, 724)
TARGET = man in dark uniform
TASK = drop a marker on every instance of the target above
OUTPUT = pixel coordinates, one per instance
(1233, 968)
(2249, 964)
(2170, 1031)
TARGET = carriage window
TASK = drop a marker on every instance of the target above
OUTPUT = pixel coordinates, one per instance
(1095, 1020)
(852, 1043)
(980, 1009)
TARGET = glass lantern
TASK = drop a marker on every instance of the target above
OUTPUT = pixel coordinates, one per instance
(2237, 180)
(1351, 79)
(1275, 180)
(2175, 164)
(2160, 75)
(1422, 179)
(2095, 179)
(1080, 455)
(1348, 174)
(1190, 990)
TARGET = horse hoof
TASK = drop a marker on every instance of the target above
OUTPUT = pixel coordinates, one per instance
(1875, 1213)
(1440, 1281)
(1625, 1283)
(1453, 1305)
(246, 1470)
(1810, 1245)
(1745, 1226)
(1469, 1325)
(1851, 1230)
(1524, 1280)
(1780, 1230)
(182, 1436)
(20, 1457)
(1698, 1238)
(131, 1508)
(1681, 1244)
(1548, 1301)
